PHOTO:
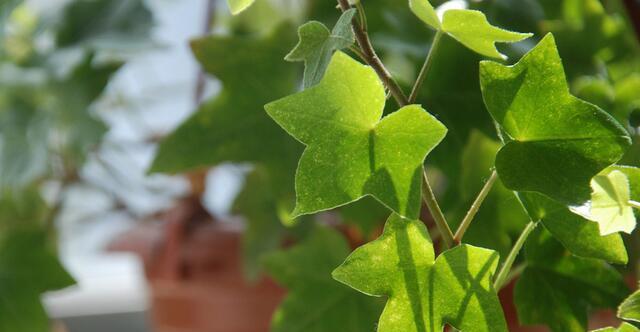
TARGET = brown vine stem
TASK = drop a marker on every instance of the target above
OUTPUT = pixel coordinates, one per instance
(466, 221)
(372, 59)
(438, 217)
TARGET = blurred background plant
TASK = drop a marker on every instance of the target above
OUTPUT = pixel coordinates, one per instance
(96, 92)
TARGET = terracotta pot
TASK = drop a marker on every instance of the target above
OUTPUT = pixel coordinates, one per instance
(195, 273)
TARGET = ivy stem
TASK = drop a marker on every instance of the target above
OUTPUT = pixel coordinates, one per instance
(441, 222)
(425, 67)
(634, 204)
(475, 206)
(372, 59)
(503, 274)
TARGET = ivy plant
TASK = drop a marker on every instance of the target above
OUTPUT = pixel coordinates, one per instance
(492, 160)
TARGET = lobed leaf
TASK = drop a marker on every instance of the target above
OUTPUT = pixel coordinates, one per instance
(317, 44)
(624, 327)
(579, 235)
(557, 289)
(351, 152)
(629, 309)
(233, 126)
(469, 27)
(610, 203)
(555, 142)
(315, 302)
(423, 294)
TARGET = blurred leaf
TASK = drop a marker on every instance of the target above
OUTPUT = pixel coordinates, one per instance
(317, 44)
(625, 327)
(315, 301)
(423, 295)
(556, 143)
(234, 126)
(237, 6)
(557, 289)
(105, 25)
(6, 7)
(28, 265)
(335, 121)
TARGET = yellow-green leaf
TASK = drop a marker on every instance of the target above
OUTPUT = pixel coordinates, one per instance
(423, 294)
(471, 29)
(351, 152)
(610, 203)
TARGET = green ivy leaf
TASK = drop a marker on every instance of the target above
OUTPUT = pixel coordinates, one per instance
(108, 25)
(610, 203)
(238, 6)
(630, 308)
(469, 27)
(557, 289)
(425, 12)
(350, 151)
(625, 327)
(555, 142)
(233, 126)
(28, 264)
(317, 44)
(28, 268)
(316, 302)
(423, 295)
(579, 235)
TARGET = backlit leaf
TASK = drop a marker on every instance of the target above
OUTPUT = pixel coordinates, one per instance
(423, 294)
(237, 6)
(351, 152)
(471, 28)
(630, 308)
(610, 203)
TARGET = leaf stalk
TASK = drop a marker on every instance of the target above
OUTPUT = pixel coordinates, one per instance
(503, 274)
(475, 206)
(425, 67)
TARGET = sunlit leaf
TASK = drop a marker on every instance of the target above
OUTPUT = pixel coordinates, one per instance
(424, 294)
(351, 152)
(471, 28)
(610, 203)
(630, 308)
